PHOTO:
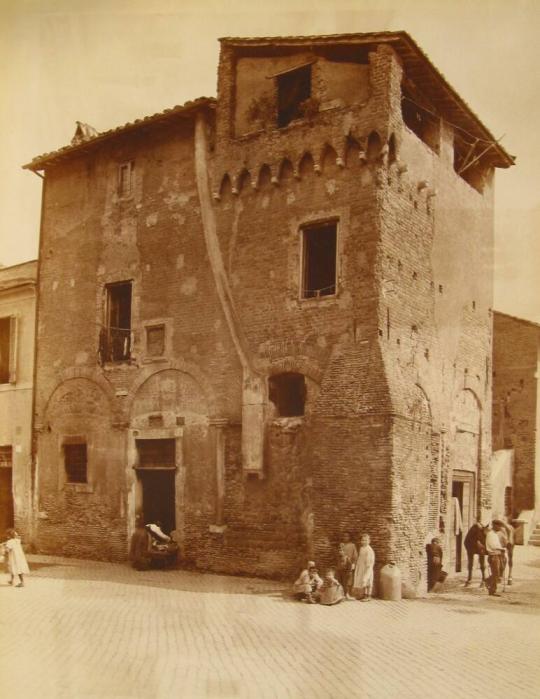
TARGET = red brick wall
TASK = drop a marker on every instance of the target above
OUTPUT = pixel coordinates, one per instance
(386, 359)
(515, 410)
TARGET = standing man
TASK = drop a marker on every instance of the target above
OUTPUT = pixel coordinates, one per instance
(475, 545)
(494, 550)
(509, 547)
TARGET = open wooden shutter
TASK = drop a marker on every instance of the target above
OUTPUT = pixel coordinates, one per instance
(14, 347)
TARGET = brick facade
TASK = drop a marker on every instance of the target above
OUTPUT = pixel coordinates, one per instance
(515, 402)
(396, 362)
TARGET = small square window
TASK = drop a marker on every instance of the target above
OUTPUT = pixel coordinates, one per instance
(75, 462)
(125, 179)
(155, 341)
(319, 264)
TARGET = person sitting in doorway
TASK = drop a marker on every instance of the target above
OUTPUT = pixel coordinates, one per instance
(308, 584)
(156, 532)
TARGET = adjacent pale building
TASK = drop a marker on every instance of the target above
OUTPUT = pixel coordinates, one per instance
(17, 331)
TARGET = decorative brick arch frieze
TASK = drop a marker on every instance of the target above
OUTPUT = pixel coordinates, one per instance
(182, 366)
(370, 148)
(94, 377)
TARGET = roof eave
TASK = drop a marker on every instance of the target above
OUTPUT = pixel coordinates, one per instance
(398, 38)
(184, 111)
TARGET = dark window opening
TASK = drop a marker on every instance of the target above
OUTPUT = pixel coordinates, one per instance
(288, 393)
(6, 456)
(125, 177)
(468, 161)
(75, 461)
(421, 120)
(319, 273)
(115, 340)
(155, 340)
(294, 88)
(157, 453)
(5, 349)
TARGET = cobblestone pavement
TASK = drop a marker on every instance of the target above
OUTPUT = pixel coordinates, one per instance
(83, 629)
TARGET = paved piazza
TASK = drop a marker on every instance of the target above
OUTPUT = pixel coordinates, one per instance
(86, 629)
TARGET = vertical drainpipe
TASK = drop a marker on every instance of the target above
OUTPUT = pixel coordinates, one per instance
(253, 387)
(34, 494)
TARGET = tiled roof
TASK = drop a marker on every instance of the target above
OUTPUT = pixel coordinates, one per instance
(418, 68)
(518, 320)
(39, 162)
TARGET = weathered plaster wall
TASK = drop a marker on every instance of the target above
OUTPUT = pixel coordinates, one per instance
(18, 299)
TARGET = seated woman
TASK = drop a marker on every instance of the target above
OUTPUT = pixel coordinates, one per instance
(331, 590)
(308, 584)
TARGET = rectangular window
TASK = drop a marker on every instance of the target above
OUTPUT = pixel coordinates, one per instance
(6, 456)
(155, 341)
(75, 462)
(156, 453)
(294, 88)
(319, 268)
(115, 343)
(125, 179)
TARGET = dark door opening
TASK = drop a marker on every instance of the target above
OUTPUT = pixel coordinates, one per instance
(156, 473)
(158, 501)
(6, 488)
(457, 492)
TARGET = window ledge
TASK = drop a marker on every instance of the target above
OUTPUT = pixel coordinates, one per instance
(79, 487)
(330, 298)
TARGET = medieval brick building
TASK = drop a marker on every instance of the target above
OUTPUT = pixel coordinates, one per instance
(264, 319)
(516, 419)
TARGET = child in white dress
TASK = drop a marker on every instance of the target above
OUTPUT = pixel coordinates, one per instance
(363, 574)
(16, 560)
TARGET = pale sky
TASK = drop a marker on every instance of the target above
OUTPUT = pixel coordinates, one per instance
(106, 62)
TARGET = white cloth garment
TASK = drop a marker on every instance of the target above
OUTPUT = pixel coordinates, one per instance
(363, 573)
(16, 560)
(458, 520)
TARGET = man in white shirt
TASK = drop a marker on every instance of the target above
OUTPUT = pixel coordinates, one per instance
(494, 550)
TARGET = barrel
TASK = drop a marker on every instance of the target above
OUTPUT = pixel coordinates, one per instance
(391, 582)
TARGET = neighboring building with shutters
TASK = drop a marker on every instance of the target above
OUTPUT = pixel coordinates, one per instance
(17, 329)
(266, 318)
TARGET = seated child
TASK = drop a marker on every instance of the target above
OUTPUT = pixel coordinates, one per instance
(331, 590)
(308, 584)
